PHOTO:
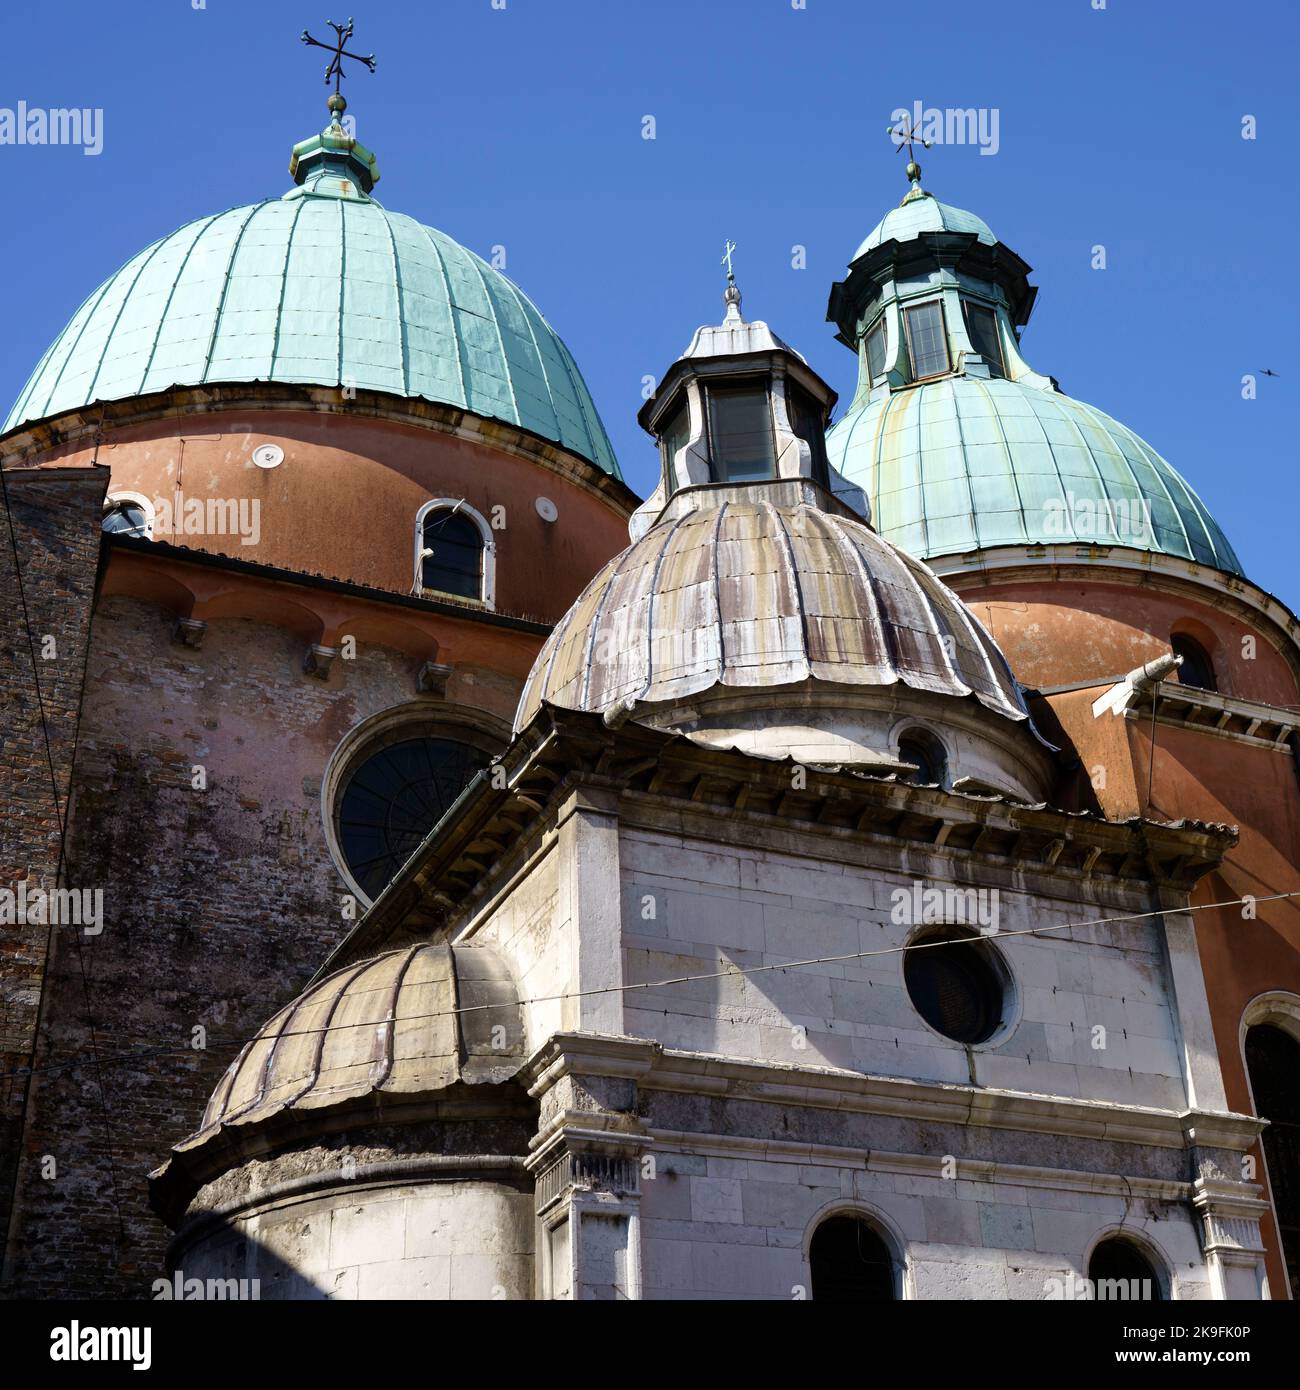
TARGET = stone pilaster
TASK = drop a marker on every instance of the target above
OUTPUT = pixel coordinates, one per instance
(587, 1163)
(1231, 1237)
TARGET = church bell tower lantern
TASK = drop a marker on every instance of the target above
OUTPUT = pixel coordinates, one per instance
(740, 406)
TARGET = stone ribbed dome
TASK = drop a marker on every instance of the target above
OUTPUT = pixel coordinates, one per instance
(728, 590)
(967, 463)
(388, 1025)
(324, 290)
(923, 214)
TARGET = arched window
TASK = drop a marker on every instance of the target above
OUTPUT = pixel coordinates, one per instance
(1197, 668)
(851, 1263)
(128, 514)
(956, 983)
(920, 747)
(392, 799)
(1273, 1061)
(1119, 1269)
(454, 551)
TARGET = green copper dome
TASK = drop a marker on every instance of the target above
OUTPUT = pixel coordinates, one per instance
(322, 287)
(957, 443)
(964, 464)
(923, 214)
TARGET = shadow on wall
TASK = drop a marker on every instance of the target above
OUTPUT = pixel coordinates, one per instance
(238, 1268)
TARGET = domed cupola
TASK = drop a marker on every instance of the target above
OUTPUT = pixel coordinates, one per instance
(755, 609)
(321, 287)
(958, 443)
(385, 1096)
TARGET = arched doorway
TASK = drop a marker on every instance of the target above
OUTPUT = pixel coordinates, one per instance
(1119, 1268)
(851, 1263)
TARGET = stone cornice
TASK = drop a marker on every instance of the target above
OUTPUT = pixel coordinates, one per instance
(656, 1068)
(1119, 565)
(1207, 712)
(925, 1165)
(467, 856)
(87, 423)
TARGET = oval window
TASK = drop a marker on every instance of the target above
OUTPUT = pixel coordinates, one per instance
(956, 986)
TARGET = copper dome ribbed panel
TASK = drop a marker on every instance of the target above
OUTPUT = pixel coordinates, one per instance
(321, 291)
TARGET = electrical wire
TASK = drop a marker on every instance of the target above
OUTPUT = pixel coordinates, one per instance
(730, 974)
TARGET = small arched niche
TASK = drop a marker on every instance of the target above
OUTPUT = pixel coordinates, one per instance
(927, 754)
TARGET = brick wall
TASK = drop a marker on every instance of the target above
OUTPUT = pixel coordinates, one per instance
(56, 530)
(219, 905)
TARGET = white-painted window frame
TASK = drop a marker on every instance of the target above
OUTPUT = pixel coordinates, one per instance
(487, 596)
(120, 495)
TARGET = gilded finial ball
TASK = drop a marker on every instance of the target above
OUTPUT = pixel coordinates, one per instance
(337, 104)
(913, 172)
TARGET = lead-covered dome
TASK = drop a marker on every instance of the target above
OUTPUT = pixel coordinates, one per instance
(407, 1022)
(386, 1041)
(735, 590)
(323, 287)
(756, 611)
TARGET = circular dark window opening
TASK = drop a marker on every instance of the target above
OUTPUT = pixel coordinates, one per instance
(394, 798)
(1118, 1269)
(955, 985)
(850, 1263)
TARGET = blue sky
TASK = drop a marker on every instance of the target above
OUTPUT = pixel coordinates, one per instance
(522, 127)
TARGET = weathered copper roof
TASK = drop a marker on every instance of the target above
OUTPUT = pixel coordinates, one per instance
(322, 290)
(729, 589)
(389, 1024)
(967, 463)
(924, 214)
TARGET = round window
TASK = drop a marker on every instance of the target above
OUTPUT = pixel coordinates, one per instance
(392, 800)
(956, 986)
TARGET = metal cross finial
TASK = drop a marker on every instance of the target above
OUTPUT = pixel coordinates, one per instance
(904, 133)
(726, 260)
(343, 33)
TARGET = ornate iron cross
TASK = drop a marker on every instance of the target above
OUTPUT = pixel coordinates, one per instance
(343, 33)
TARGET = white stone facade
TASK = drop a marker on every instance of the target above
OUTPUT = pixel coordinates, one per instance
(992, 1171)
